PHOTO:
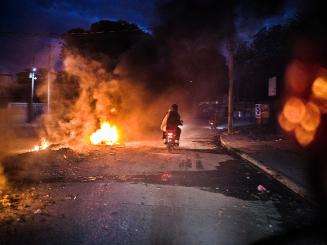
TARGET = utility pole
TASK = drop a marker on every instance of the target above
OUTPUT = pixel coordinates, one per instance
(231, 83)
(49, 80)
(33, 78)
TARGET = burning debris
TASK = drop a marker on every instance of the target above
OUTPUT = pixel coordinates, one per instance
(94, 98)
(97, 98)
(44, 144)
(107, 134)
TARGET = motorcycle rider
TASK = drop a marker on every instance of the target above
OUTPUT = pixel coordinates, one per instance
(171, 121)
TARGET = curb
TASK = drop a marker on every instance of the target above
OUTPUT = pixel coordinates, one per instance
(273, 173)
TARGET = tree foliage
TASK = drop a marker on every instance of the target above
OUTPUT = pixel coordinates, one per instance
(105, 41)
(272, 49)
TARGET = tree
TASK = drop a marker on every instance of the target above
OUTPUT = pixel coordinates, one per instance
(266, 56)
(105, 41)
(217, 20)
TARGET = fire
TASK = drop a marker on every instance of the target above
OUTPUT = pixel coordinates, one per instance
(107, 134)
(42, 146)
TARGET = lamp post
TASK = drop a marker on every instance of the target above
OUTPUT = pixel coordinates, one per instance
(33, 78)
(49, 80)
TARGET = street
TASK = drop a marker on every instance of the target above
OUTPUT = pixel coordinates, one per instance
(138, 193)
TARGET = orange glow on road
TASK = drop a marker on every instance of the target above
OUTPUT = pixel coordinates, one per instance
(107, 134)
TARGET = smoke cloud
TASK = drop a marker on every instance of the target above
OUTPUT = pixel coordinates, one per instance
(86, 95)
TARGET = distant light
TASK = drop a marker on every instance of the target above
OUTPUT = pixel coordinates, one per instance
(34, 69)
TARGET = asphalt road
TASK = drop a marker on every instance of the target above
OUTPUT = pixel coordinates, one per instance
(141, 194)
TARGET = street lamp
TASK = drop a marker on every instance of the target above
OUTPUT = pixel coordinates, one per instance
(33, 78)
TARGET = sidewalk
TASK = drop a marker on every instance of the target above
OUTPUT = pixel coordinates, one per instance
(275, 155)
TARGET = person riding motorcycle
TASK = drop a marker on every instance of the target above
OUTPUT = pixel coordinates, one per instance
(171, 121)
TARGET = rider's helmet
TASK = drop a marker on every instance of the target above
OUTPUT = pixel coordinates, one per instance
(174, 107)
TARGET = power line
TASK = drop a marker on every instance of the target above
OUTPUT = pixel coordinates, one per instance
(29, 34)
(5, 75)
(58, 35)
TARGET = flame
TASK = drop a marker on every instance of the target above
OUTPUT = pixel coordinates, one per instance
(42, 146)
(107, 134)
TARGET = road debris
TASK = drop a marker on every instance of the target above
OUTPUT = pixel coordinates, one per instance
(165, 176)
(261, 188)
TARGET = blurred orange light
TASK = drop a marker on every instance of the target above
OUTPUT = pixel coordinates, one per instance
(303, 136)
(294, 110)
(297, 77)
(311, 120)
(285, 124)
(319, 88)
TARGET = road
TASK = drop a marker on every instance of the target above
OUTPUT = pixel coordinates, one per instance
(139, 193)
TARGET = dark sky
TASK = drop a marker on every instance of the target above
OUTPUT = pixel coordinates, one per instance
(57, 16)
(44, 16)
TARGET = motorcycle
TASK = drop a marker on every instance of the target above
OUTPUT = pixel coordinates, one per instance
(171, 139)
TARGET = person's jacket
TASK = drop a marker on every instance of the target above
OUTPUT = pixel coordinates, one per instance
(171, 120)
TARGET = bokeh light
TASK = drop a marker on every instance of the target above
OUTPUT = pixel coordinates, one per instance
(319, 88)
(285, 124)
(311, 119)
(303, 136)
(297, 77)
(294, 110)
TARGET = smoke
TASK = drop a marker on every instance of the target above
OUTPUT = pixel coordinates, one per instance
(3, 180)
(189, 33)
(86, 95)
(179, 63)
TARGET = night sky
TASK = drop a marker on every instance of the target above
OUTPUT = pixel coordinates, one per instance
(50, 16)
